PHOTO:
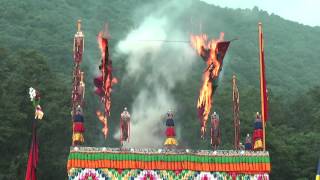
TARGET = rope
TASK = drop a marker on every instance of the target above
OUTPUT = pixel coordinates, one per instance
(154, 40)
(162, 40)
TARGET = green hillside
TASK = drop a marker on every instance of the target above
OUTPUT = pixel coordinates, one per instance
(36, 50)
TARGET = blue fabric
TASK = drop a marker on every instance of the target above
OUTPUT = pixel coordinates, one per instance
(169, 122)
(78, 118)
(258, 125)
(248, 146)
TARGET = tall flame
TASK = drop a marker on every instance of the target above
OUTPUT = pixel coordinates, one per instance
(106, 69)
(102, 44)
(207, 50)
(104, 121)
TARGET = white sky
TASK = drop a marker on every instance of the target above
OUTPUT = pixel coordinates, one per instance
(303, 11)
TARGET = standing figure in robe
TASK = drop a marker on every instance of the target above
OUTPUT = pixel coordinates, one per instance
(215, 131)
(248, 144)
(125, 125)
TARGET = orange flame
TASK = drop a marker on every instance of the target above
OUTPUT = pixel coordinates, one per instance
(102, 44)
(207, 50)
(104, 122)
(106, 69)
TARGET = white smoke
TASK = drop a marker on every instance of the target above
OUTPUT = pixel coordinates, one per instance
(158, 66)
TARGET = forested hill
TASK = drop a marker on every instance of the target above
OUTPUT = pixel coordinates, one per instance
(291, 57)
(36, 50)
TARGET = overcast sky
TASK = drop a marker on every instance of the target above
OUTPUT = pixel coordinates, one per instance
(303, 11)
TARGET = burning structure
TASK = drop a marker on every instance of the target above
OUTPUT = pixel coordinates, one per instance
(99, 163)
(212, 52)
(105, 80)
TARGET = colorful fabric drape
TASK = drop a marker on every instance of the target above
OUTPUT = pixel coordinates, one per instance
(168, 161)
(170, 132)
(78, 89)
(132, 174)
(78, 128)
(34, 149)
(258, 135)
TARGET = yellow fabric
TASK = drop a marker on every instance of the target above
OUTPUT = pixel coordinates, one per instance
(170, 141)
(38, 114)
(318, 177)
(77, 137)
(258, 144)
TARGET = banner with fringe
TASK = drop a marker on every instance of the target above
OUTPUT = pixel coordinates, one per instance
(131, 174)
(208, 161)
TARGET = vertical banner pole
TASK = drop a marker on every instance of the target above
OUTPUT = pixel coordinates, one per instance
(263, 88)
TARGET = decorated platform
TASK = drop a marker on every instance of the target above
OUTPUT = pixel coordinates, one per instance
(116, 163)
(100, 163)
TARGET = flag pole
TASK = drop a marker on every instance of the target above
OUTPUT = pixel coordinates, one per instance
(33, 157)
(262, 84)
(235, 107)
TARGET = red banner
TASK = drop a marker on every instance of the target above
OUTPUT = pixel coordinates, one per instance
(33, 156)
(263, 84)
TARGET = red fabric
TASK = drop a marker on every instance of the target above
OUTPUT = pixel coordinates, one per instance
(263, 84)
(200, 115)
(106, 73)
(170, 132)
(78, 127)
(33, 157)
(222, 48)
(98, 81)
(257, 134)
(99, 92)
(108, 87)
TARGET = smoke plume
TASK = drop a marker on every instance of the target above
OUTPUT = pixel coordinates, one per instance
(158, 66)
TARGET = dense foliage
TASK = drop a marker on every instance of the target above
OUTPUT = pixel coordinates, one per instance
(36, 50)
